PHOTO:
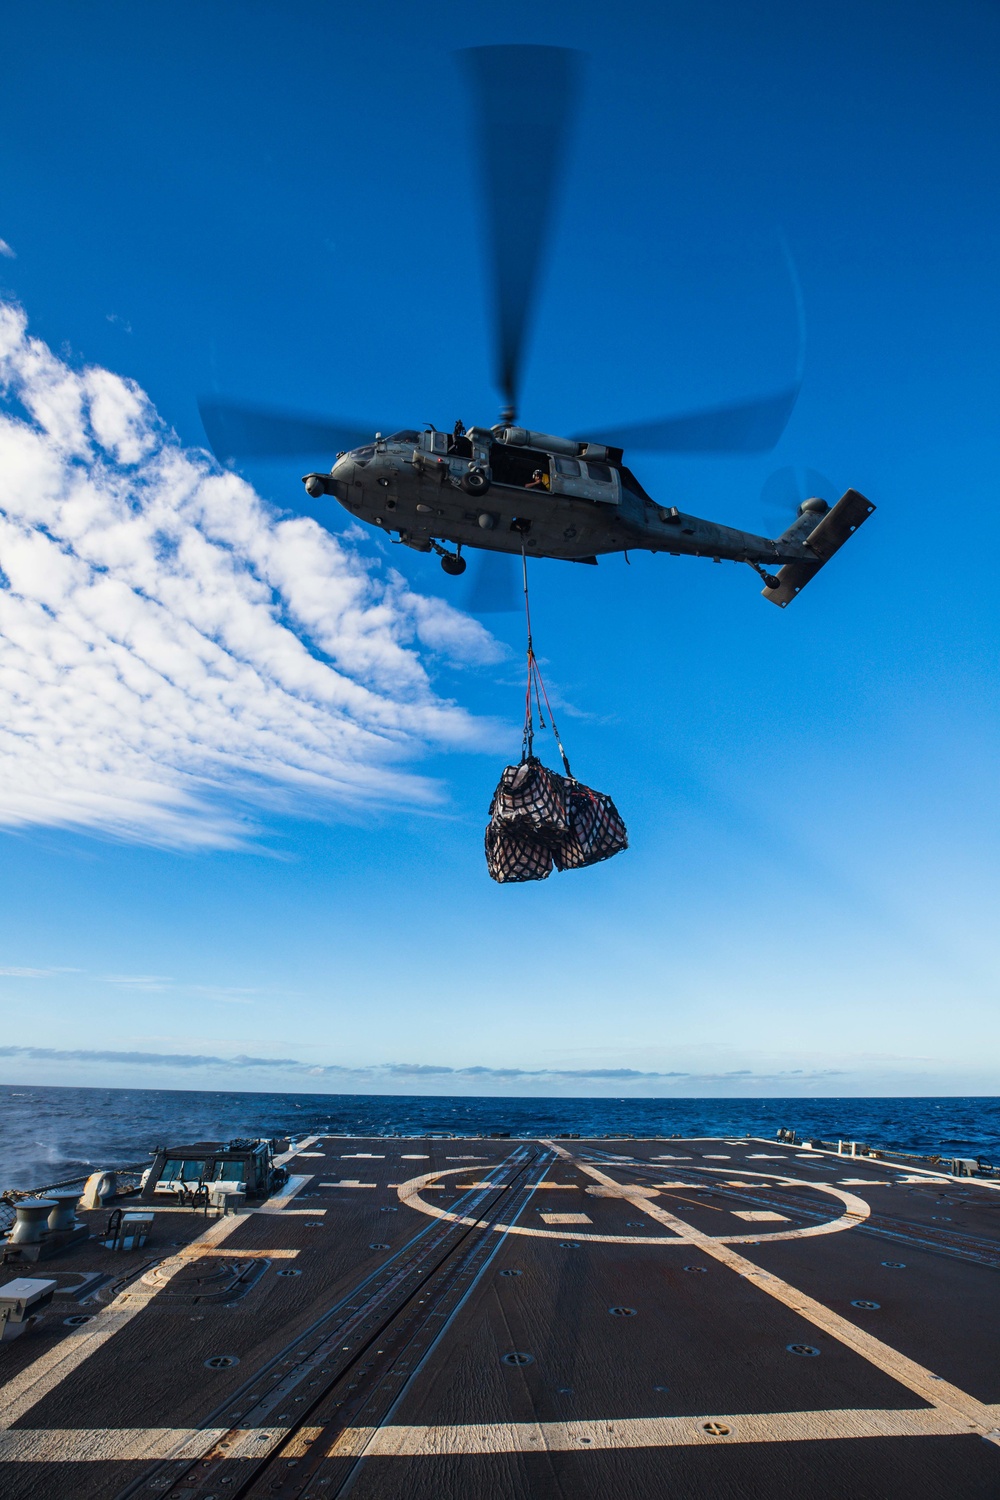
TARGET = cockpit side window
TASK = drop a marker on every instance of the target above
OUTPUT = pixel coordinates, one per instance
(600, 472)
(568, 468)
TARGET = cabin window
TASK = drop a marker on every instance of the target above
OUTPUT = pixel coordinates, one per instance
(600, 472)
(516, 465)
(568, 467)
(183, 1171)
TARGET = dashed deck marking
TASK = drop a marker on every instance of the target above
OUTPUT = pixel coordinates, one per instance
(938, 1393)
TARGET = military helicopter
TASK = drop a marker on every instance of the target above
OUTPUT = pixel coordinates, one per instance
(507, 488)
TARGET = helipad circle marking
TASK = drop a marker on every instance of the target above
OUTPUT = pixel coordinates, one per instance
(855, 1211)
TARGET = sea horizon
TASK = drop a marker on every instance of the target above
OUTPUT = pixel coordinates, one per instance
(48, 1132)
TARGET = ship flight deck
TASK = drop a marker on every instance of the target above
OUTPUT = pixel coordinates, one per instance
(465, 1317)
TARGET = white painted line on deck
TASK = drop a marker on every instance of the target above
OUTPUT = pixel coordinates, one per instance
(287, 1156)
(129, 1444)
(194, 1253)
(132, 1444)
(565, 1219)
(759, 1216)
(645, 1432)
(293, 1187)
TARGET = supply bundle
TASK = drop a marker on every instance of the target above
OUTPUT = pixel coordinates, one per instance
(539, 818)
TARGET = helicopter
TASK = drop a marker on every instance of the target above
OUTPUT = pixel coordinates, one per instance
(509, 489)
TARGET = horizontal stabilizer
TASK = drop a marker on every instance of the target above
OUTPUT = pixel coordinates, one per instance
(824, 540)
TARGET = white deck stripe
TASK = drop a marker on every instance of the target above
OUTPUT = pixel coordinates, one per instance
(293, 1186)
(287, 1156)
(643, 1432)
(938, 1393)
(129, 1444)
(46, 1445)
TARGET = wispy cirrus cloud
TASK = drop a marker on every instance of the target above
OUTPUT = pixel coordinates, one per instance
(12, 971)
(172, 655)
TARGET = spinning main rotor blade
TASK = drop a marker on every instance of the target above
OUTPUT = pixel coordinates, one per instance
(744, 427)
(524, 100)
(235, 431)
(738, 427)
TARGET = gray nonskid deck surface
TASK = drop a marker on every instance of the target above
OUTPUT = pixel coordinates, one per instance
(530, 1318)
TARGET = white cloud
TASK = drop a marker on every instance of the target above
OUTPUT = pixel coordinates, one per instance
(16, 973)
(7, 250)
(170, 651)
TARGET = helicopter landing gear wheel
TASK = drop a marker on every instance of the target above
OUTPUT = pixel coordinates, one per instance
(475, 482)
(453, 565)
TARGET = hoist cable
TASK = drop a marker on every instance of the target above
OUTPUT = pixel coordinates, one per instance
(535, 684)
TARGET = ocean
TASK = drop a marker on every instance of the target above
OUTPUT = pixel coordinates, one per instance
(48, 1134)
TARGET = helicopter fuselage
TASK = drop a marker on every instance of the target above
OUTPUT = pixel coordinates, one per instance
(501, 489)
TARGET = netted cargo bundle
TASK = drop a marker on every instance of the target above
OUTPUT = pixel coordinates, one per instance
(538, 817)
(512, 856)
(596, 829)
(533, 800)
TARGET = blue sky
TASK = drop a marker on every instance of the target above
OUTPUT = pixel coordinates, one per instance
(246, 766)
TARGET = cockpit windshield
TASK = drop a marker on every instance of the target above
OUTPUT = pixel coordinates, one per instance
(404, 437)
(230, 1171)
(182, 1171)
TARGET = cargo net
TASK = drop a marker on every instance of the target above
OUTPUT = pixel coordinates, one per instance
(537, 817)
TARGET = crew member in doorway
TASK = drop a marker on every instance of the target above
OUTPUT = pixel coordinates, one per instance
(459, 429)
(538, 481)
